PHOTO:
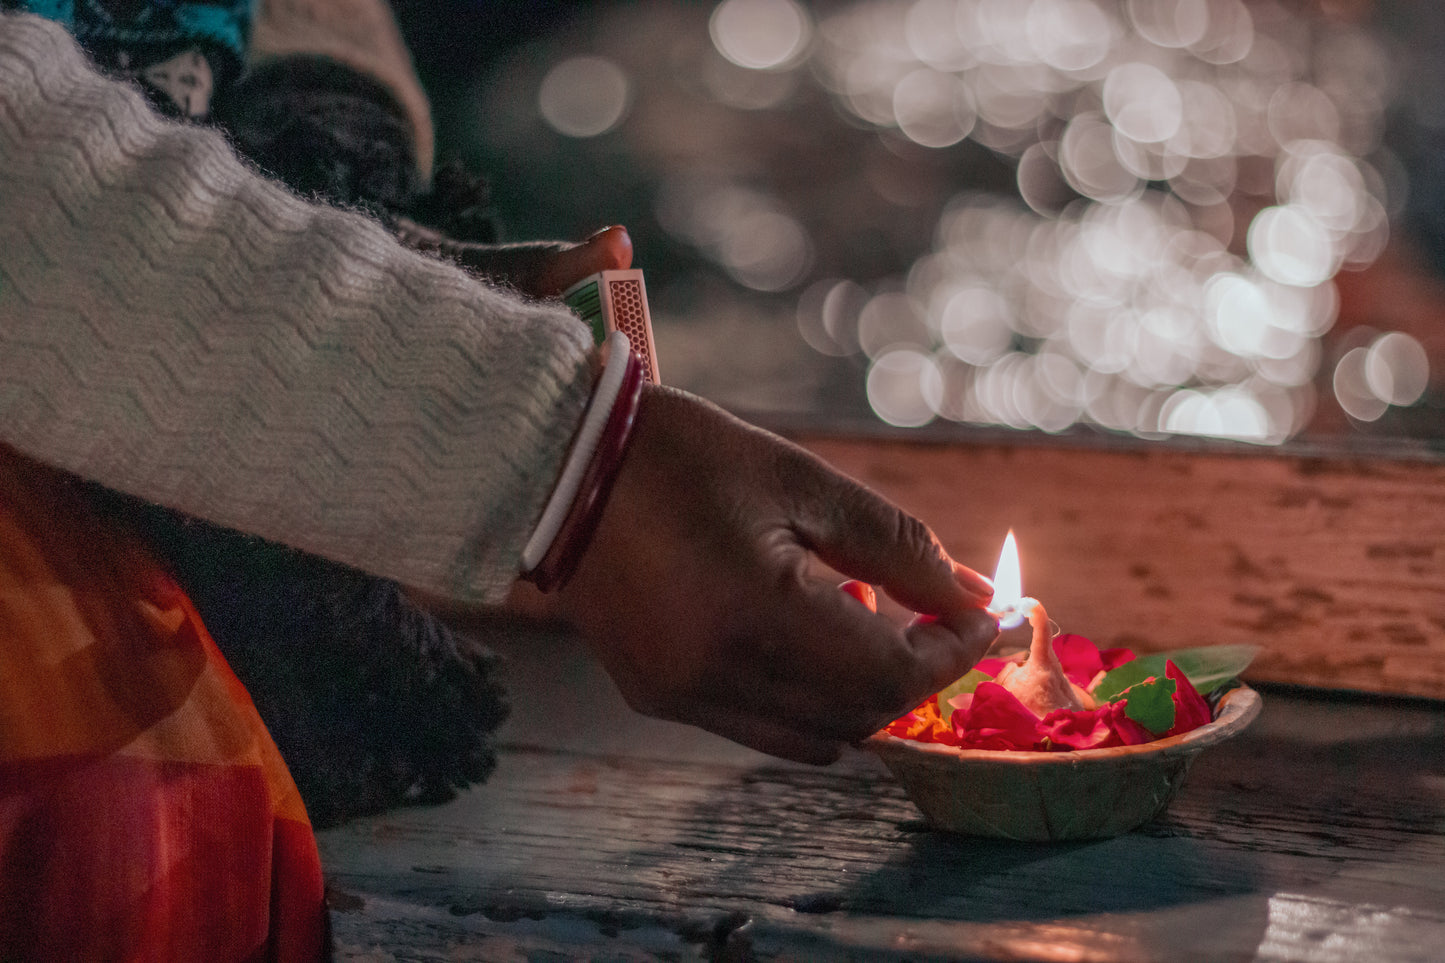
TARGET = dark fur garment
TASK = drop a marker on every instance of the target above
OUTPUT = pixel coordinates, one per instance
(329, 132)
(324, 130)
(372, 701)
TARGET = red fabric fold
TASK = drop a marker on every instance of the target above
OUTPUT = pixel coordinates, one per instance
(145, 813)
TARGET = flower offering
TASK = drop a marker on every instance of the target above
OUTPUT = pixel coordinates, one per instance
(1065, 693)
(1064, 741)
(1131, 700)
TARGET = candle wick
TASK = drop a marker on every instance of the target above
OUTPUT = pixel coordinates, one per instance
(1015, 613)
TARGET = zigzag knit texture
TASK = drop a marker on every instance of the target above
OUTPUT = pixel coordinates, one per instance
(174, 326)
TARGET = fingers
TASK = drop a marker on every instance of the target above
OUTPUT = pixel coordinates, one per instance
(947, 648)
(862, 535)
(613, 249)
(541, 269)
(765, 735)
(610, 249)
(838, 671)
(718, 624)
(887, 669)
(519, 266)
(975, 584)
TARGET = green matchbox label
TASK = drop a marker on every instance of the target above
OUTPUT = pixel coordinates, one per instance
(586, 301)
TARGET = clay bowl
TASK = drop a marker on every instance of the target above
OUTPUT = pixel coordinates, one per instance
(1051, 796)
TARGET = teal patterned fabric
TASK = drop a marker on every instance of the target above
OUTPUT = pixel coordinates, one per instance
(182, 51)
(224, 23)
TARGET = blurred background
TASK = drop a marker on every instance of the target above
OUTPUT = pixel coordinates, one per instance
(1157, 219)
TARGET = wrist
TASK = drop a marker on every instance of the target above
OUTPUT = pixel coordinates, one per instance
(570, 517)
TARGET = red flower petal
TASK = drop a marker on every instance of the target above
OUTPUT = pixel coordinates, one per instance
(1079, 657)
(993, 666)
(1126, 730)
(1190, 709)
(960, 703)
(1113, 658)
(1100, 728)
(996, 719)
(993, 718)
(1078, 729)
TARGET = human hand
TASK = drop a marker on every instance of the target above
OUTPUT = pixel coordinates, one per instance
(539, 269)
(696, 597)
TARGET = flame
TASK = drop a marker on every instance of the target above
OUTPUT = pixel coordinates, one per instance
(1008, 587)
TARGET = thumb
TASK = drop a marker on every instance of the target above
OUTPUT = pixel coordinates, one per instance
(610, 249)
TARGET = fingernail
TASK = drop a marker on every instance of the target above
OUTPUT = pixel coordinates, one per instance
(863, 592)
(972, 582)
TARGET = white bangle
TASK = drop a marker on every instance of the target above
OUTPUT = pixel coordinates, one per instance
(604, 396)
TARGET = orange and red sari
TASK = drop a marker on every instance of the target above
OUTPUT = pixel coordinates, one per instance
(145, 813)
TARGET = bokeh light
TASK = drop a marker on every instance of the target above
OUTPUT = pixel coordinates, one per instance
(1352, 388)
(905, 387)
(584, 96)
(1131, 288)
(1140, 209)
(1142, 103)
(1397, 369)
(760, 34)
(932, 108)
(755, 239)
(1393, 368)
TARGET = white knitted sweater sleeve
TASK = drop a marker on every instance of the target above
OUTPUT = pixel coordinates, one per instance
(175, 326)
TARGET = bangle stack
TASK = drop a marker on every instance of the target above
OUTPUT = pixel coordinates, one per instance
(575, 507)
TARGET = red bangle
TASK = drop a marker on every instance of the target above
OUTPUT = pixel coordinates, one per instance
(580, 524)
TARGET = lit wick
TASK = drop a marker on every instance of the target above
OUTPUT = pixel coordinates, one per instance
(1039, 681)
(1009, 604)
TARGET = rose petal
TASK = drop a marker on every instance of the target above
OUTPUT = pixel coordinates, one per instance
(1078, 729)
(1101, 728)
(1126, 730)
(996, 719)
(1190, 709)
(1079, 657)
(1113, 658)
(993, 666)
(960, 703)
(993, 718)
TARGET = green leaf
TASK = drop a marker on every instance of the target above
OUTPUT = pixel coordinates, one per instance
(965, 684)
(1151, 704)
(1210, 666)
(1207, 667)
(1131, 673)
